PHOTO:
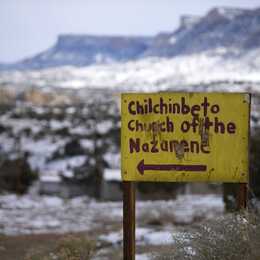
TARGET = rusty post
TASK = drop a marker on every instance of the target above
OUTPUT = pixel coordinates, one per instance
(129, 220)
(242, 196)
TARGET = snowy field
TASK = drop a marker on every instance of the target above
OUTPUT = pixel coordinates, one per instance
(158, 222)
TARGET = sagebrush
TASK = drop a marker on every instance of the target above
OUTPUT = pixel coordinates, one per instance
(231, 237)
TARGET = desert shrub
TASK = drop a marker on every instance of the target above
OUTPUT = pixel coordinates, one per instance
(26, 131)
(74, 248)
(73, 148)
(64, 131)
(69, 248)
(232, 237)
(16, 175)
(2, 128)
(4, 108)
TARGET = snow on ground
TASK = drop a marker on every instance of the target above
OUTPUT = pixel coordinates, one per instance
(62, 165)
(45, 146)
(112, 174)
(144, 236)
(34, 214)
(159, 238)
(142, 257)
(114, 160)
(105, 126)
(184, 210)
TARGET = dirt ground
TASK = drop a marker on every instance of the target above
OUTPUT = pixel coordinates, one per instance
(17, 247)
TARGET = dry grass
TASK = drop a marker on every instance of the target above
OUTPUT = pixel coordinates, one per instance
(69, 248)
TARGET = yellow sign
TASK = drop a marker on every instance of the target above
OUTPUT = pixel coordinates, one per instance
(185, 137)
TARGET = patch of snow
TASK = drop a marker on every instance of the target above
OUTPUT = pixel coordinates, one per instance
(67, 173)
(172, 40)
(113, 159)
(104, 126)
(79, 130)
(87, 144)
(159, 238)
(7, 144)
(50, 178)
(99, 58)
(56, 125)
(71, 110)
(230, 13)
(144, 236)
(190, 251)
(51, 201)
(39, 110)
(63, 165)
(112, 174)
(72, 84)
(113, 237)
(45, 146)
(142, 257)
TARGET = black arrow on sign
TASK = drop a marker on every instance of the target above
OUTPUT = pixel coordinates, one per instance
(141, 167)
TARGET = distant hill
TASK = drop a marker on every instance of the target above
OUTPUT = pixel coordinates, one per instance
(222, 32)
(84, 50)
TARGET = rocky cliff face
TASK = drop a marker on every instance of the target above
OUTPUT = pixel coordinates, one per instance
(84, 50)
(221, 30)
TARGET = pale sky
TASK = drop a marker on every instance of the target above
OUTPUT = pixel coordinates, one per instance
(30, 26)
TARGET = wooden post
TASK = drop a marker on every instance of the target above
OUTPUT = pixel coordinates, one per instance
(129, 220)
(242, 193)
(242, 196)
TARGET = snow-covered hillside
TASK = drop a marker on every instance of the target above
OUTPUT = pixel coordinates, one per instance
(152, 74)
